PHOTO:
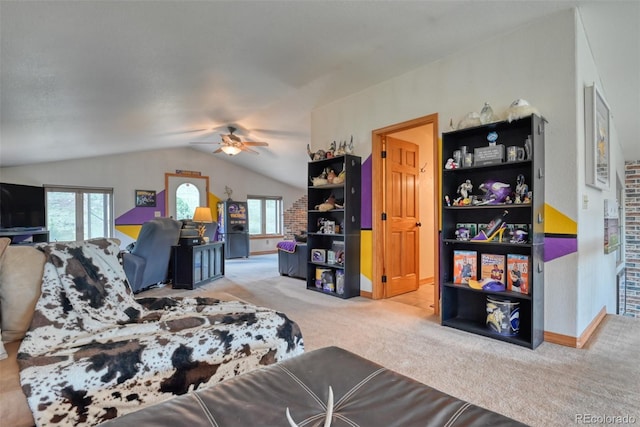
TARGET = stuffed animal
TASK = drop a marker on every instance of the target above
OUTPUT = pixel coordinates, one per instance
(320, 179)
(518, 109)
(328, 204)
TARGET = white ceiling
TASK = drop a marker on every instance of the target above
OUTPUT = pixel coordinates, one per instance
(89, 78)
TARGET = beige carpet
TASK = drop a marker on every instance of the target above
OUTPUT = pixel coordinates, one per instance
(549, 386)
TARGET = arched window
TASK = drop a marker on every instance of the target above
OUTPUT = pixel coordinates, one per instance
(187, 200)
(184, 193)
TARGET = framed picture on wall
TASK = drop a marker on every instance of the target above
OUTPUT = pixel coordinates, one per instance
(145, 198)
(598, 155)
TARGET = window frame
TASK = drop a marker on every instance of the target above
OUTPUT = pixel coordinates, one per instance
(80, 225)
(263, 208)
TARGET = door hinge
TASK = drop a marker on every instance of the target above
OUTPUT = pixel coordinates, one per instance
(383, 154)
(384, 278)
(384, 216)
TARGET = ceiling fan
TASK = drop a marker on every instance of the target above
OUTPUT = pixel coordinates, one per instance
(232, 144)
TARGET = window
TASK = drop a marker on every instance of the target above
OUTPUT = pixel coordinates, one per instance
(265, 215)
(187, 200)
(79, 213)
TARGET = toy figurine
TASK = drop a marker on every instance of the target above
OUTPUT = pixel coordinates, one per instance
(465, 189)
(451, 164)
(519, 236)
(522, 190)
(332, 149)
(349, 147)
(462, 233)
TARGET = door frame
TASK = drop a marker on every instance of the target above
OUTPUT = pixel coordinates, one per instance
(173, 180)
(378, 202)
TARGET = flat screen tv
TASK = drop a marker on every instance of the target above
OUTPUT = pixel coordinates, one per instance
(21, 206)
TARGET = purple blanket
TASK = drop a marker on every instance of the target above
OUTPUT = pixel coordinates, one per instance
(287, 246)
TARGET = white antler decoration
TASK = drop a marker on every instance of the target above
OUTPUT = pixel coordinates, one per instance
(327, 420)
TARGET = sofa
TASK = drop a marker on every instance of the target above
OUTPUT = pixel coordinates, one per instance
(82, 350)
(364, 394)
(292, 259)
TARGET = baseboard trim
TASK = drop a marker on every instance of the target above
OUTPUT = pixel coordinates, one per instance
(427, 281)
(580, 341)
(366, 294)
(274, 251)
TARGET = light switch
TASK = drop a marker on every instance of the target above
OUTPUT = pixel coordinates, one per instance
(156, 214)
(585, 201)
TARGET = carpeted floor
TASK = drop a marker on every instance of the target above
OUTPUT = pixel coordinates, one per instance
(550, 386)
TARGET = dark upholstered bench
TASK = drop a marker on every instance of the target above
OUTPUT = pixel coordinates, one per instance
(365, 394)
(292, 259)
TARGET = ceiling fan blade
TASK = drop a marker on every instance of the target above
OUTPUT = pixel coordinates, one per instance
(181, 132)
(219, 150)
(203, 143)
(248, 150)
(256, 144)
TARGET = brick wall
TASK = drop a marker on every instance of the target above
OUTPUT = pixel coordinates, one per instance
(295, 218)
(632, 240)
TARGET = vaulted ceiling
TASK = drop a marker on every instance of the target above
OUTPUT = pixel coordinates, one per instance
(90, 78)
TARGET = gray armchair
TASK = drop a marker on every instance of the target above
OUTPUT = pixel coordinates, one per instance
(148, 262)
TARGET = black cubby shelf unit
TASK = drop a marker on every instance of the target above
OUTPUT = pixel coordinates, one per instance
(465, 307)
(333, 236)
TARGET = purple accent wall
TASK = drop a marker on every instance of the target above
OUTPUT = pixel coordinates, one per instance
(139, 215)
(556, 247)
(366, 201)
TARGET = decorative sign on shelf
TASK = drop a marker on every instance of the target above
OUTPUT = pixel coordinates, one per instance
(490, 155)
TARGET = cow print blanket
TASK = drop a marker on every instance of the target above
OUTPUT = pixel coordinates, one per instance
(94, 352)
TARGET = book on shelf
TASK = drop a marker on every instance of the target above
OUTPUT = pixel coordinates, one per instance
(464, 266)
(518, 267)
(492, 267)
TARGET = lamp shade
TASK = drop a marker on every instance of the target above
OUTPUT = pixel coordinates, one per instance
(202, 214)
(231, 150)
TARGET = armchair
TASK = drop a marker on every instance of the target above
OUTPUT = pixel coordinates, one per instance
(148, 261)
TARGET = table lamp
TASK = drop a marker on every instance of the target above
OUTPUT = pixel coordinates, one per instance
(202, 215)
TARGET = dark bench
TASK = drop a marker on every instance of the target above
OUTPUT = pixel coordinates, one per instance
(292, 259)
(365, 394)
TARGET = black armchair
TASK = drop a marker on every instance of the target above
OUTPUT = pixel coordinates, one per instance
(148, 262)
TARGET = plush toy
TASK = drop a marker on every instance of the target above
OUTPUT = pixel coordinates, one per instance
(328, 204)
(320, 179)
(340, 178)
(518, 109)
(470, 120)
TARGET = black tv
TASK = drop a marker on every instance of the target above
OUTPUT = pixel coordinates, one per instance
(21, 206)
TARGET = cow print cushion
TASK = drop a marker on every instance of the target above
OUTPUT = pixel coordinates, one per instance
(93, 352)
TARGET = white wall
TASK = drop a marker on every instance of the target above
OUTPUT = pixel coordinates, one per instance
(597, 272)
(536, 63)
(145, 170)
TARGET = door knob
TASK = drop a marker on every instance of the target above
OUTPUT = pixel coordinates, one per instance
(418, 224)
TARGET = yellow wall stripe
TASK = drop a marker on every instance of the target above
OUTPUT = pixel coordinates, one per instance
(555, 222)
(366, 253)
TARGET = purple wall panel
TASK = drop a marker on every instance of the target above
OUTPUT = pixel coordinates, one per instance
(556, 247)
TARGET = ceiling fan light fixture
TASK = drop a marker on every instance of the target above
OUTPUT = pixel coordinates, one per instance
(231, 150)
